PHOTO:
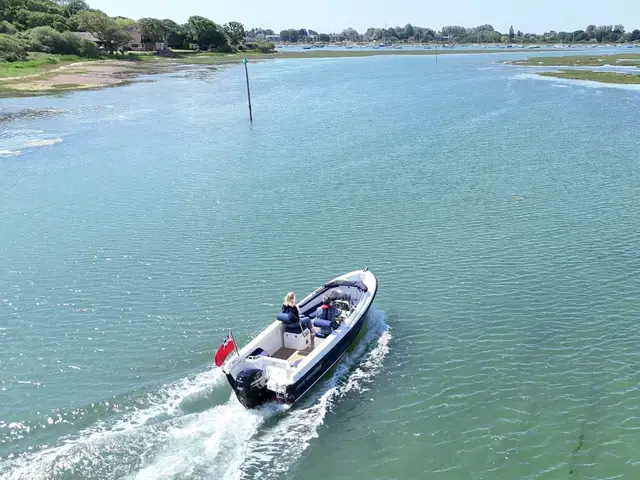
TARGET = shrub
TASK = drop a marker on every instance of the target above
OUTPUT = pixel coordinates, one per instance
(8, 28)
(225, 48)
(42, 39)
(262, 47)
(11, 49)
(70, 44)
(49, 40)
(89, 49)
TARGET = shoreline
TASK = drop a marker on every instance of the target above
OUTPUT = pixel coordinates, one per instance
(628, 61)
(113, 72)
(609, 78)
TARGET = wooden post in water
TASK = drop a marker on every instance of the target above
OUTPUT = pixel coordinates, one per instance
(246, 73)
(436, 53)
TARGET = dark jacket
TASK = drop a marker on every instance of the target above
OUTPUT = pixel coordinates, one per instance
(294, 315)
(325, 312)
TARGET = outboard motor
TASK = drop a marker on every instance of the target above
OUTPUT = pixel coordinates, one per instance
(250, 387)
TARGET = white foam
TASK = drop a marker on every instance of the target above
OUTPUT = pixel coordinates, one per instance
(223, 442)
(581, 83)
(43, 142)
(230, 443)
(121, 435)
(172, 395)
(218, 436)
(274, 451)
(9, 153)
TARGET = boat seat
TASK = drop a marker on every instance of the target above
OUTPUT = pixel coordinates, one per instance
(325, 326)
(293, 327)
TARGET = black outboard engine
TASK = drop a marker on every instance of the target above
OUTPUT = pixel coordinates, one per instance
(250, 388)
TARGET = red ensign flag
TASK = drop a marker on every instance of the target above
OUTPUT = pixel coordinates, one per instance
(225, 349)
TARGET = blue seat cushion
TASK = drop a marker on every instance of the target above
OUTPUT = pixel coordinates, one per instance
(318, 322)
(294, 326)
(284, 317)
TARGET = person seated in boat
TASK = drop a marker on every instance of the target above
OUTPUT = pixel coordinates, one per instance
(327, 311)
(290, 308)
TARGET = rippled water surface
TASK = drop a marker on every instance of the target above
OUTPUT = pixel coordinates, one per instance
(499, 211)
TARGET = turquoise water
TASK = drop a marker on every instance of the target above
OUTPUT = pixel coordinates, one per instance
(499, 211)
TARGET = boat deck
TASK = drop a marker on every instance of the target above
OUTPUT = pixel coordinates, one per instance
(291, 355)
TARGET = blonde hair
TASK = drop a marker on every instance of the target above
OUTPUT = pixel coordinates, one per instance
(290, 299)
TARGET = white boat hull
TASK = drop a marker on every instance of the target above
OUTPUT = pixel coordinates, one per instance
(283, 366)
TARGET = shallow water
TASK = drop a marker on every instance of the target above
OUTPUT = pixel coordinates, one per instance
(499, 211)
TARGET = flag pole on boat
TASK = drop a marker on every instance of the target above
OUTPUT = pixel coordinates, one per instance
(246, 74)
(234, 343)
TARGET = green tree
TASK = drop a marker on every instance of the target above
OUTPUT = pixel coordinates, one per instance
(8, 28)
(175, 35)
(428, 35)
(152, 30)
(323, 37)
(368, 35)
(205, 33)
(25, 14)
(88, 49)
(351, 34)
(71, 7)
(603, 32)
(511, 33)
(33, 18)
(11, 49)
(391, 34)
(618, 33)
(235, 32)
(578, 36)
(113, 33)
(409, 31)
(49, 40)
(455, 32)
(291, 35)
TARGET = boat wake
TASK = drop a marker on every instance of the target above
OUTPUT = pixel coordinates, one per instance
(178, 433)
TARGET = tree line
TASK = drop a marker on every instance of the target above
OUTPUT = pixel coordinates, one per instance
(454, 33)
(48, 26)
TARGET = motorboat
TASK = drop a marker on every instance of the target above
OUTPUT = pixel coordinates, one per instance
(286, 359)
